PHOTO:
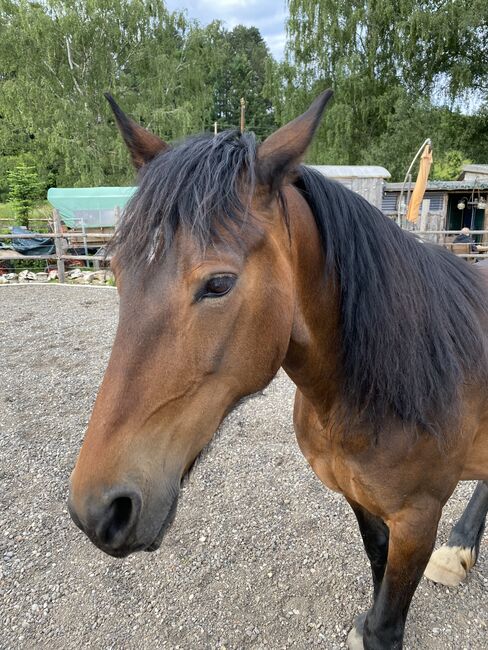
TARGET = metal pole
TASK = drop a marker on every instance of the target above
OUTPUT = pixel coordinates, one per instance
(59, 245)
(215, 128)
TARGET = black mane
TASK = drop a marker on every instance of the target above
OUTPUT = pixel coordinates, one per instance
(413, 315)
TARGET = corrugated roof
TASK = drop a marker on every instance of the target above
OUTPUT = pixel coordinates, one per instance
(476, 169)
(352, 171)
(443, 186)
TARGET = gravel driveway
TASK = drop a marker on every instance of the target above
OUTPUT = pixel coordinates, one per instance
(261, 554)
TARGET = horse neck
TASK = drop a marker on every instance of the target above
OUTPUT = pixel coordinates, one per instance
(313, 356)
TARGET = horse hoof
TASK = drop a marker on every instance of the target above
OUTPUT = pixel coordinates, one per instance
(355, 640)
(450, 565)
(355, 636)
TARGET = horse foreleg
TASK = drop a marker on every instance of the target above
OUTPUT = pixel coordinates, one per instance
(451, 563)
(411, 540)
(375, 535)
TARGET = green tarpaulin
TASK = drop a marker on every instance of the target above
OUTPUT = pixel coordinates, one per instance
(89, 207)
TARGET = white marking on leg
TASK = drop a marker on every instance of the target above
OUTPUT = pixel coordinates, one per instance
(355, 640)
(450, 565)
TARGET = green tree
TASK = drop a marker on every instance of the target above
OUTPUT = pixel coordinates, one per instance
(57, 59)
(449, 165)
(174, 76)
(24, 191)
(393, 67)
(240, 71)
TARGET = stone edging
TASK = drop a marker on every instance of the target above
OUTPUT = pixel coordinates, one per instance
(57, 284)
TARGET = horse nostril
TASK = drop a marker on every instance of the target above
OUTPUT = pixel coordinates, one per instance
(120, 511)
(119, 520)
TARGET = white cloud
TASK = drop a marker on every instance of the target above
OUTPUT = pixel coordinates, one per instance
(267, 15)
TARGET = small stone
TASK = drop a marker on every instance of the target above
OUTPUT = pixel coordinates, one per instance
(27, 276)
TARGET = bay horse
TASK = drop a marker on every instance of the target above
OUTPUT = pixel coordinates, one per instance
(233, 260)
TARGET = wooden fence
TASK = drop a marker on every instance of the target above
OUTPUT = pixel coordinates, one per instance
(440, 237)
(446, 238)
(59, 253)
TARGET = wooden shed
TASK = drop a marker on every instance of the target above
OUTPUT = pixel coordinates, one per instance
(367, 180)
(452, 205)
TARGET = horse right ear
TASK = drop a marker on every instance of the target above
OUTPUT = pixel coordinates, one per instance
(282, 152)
(142, 144)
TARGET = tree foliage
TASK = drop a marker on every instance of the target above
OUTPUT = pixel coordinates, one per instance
(174, 76)
(24, 191)
(401, 71)
(242, 74)
(449, 166)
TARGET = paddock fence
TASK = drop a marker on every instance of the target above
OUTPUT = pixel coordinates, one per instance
(86, 239)
(61, 239)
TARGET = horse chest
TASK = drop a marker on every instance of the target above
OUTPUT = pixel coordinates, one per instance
(319, 448)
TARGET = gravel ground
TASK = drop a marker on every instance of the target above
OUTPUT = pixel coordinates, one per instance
(261, 554)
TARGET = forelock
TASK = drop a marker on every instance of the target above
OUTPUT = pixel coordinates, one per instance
(203, 185)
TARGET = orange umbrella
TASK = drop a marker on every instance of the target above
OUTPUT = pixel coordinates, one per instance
(420, 185)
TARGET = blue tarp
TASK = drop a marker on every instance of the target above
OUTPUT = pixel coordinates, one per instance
(35, 246)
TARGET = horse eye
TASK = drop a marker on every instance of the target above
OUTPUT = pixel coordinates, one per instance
(217, 286)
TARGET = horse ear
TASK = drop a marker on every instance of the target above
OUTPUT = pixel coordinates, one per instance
(143, 145)
(282, 151)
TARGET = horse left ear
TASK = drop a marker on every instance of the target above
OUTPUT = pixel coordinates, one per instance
(282, 151)
(142, 144)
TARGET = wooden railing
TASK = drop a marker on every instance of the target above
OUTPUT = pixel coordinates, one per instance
(61, 257)
(59, 253)
(446, 237)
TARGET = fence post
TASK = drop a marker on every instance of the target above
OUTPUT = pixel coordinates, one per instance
(59, 245)
(243, 114)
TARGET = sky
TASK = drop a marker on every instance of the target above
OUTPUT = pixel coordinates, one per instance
(267, 15)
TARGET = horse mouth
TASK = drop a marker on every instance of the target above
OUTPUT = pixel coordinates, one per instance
(167, 523)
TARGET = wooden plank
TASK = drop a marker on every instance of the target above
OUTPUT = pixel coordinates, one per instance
(85, 257)
(59, 246)
(61, 235)
(53, 256)
(40, 235)
(28, 257)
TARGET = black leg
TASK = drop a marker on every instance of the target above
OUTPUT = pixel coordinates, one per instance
(451, 563)
(469, 529)
(412, 537)
(375, 535)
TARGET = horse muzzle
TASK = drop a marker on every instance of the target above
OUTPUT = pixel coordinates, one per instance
(120, 521)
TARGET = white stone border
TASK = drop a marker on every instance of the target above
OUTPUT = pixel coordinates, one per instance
(56, 284)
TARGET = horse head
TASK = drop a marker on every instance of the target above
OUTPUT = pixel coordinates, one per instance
(204, 266)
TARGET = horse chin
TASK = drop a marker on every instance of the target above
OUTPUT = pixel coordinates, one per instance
(167, 523)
